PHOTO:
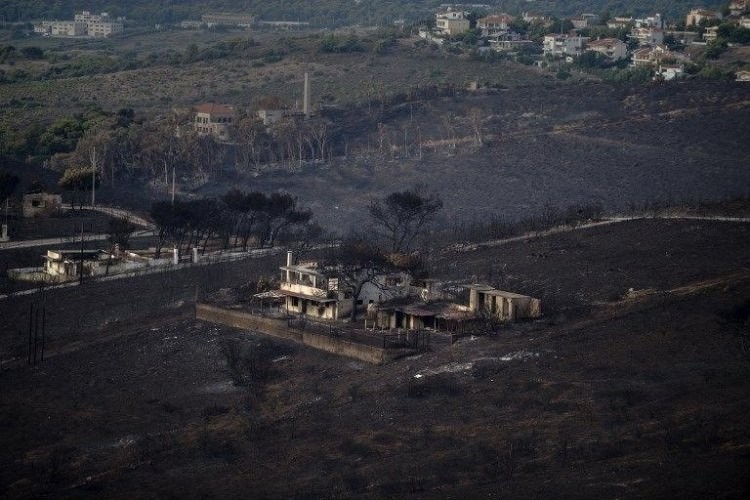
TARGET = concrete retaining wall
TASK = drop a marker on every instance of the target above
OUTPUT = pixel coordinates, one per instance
(279, 329)
(366, 353)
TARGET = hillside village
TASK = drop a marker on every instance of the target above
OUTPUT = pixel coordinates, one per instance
(591, 40)
(594, 41)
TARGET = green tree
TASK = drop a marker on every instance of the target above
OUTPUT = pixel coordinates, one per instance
(32, 52)
(715, 49)
(61, 137)
(591, 59)
(78, 180)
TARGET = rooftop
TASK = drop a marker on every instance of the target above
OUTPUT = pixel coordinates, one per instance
(214, 109)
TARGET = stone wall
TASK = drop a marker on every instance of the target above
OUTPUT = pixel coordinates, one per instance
(279, 329)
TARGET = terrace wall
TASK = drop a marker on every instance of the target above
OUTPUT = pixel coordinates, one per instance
(279, 329)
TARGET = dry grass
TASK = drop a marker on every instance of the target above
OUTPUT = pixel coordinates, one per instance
(338, 78)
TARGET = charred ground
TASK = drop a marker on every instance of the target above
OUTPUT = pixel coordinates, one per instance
(643, 395)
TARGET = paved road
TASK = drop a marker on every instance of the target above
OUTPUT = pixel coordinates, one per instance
(123, 214)
(223, 257)
(51, 242)
(149, 230)
(469, 247)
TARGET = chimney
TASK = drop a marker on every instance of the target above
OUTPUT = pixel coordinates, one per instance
(306, 102)
(289, 262)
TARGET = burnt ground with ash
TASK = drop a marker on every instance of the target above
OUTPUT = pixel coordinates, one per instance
(545, 144)
(642, 396)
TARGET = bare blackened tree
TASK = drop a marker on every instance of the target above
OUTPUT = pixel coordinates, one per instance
(475, 118)
(164, 217)
(401, 216)
(248, 210)
(320, 134)
(358, 262)
(119, 230)
(190, 223)
(250, 135)
(280, 213)
(301, 238)
(8, 184)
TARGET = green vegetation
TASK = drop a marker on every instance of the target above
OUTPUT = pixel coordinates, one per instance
(733, 33)
(79, 181)
(323, 13)
(629, 75)
(331, 44)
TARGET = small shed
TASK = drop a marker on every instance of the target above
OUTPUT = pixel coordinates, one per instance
(505, 306)
(418, 316)
(37, 203)
(66, 264)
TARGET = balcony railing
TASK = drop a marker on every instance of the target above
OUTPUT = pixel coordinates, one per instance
(292, 287)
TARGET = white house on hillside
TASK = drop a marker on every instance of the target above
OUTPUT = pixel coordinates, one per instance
(647, 35)
(321, 292)
(451, 22)
(496, 23)
(563, 45)
(650, 56)
(611, 48)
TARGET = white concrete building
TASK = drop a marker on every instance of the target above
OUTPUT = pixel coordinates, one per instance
(319, 292)
(563, 45)
(99, 25)
(451, 22)
(611, 48)
(214, 119)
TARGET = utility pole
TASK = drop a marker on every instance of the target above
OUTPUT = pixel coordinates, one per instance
(419, 141)
(93, 187)
(80, 263)
(44, 321)
(173, 169)
(31, 325)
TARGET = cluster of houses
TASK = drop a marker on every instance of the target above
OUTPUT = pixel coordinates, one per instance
(308, 289)
(60, 266)
(393, 300)
(217, 120)
(83, 24)
(646, 35)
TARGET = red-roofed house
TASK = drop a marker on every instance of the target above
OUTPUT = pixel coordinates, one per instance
(695, 16)
(213, 119)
